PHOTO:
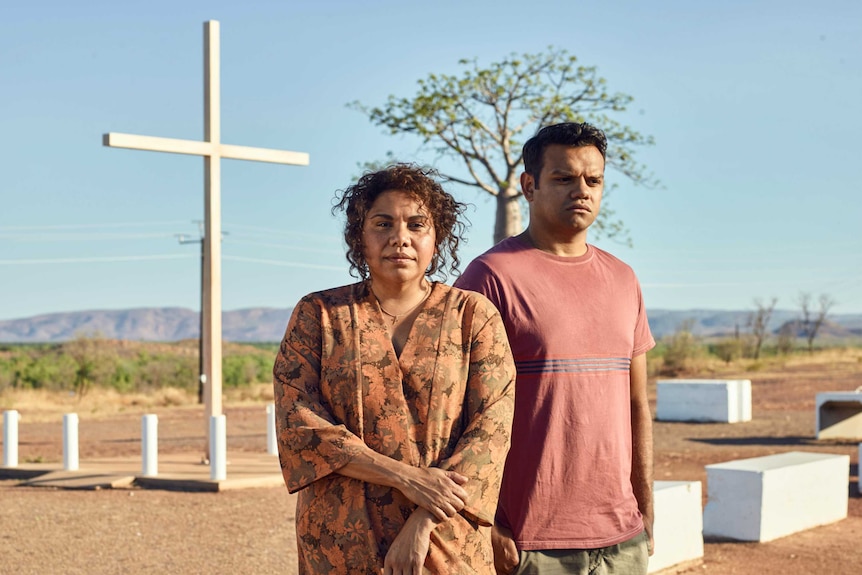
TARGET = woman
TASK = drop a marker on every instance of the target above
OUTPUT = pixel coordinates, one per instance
(394, 395)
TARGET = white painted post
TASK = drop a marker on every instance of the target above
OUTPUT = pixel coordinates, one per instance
(10, 438)
(70, 442)
(271, 447)
(150, 445)
(218, 447)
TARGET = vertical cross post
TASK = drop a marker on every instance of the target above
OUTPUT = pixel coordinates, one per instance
(212, 151)
(211, 309)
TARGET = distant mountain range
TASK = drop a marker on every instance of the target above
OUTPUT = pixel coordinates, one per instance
(268, 324)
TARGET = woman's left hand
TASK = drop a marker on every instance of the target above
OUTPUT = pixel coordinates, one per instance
(410, 547)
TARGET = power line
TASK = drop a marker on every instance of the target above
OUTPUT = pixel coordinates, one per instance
(90, 226)
(51, 237)
(284, 246)
(36, 261)
(284, 263)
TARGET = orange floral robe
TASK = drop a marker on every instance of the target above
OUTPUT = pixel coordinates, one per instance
(446, 402)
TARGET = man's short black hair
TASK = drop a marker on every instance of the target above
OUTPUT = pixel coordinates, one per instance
(565, 134)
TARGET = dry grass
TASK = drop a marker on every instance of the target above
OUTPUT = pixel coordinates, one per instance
(835, 359)
(43, 405)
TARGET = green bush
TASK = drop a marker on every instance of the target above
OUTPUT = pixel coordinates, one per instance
(90, 361)
(680, 349)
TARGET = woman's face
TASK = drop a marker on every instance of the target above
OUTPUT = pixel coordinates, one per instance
(398, 239)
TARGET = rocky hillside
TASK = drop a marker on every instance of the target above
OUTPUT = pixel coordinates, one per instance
(268, 324)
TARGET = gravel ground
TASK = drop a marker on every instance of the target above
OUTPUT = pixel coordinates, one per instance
(48, 531)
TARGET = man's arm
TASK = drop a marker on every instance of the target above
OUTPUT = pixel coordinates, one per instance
(642, 447)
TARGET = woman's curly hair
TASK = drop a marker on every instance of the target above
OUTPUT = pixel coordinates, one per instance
(418, 182)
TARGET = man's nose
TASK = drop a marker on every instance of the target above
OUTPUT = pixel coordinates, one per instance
(580, 189)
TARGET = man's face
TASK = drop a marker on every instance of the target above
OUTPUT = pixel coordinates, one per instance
(567, 197)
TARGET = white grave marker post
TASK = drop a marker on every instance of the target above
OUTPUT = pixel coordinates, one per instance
(10, 438)
(218, 448)
(150, 445)
(70, 442)
(271, 446)
(212, 151)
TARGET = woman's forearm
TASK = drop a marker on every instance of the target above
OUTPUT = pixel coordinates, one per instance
(435, 490)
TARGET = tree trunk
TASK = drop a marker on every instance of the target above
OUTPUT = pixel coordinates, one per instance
(508, 222)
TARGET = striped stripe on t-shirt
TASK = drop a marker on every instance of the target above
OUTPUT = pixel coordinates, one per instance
(592, 364)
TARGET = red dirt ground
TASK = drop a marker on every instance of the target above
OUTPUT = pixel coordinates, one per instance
(251, 531)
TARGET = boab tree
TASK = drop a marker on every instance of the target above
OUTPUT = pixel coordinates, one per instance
(482, 117)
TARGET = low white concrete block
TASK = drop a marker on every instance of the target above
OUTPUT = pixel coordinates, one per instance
(763, 498)
(839, 414)
(719, 400)
(678, 526)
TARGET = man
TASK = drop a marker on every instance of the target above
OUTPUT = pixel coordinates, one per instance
(576, 495)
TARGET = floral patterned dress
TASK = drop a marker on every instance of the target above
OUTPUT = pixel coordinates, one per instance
(445, 402)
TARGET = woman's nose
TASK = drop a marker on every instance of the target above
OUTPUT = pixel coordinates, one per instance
(399, 236)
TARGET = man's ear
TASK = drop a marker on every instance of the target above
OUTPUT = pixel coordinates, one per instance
(527, 186)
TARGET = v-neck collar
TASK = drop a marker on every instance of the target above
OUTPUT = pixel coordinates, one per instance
(407, 351)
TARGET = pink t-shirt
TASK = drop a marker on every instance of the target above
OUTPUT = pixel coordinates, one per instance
(574, 325)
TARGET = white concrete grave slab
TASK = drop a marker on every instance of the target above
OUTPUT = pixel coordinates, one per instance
(764, 498)
(707, 400)
(678, 525)
(839, 414)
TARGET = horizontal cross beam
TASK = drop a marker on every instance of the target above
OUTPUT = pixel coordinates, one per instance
(198, 148)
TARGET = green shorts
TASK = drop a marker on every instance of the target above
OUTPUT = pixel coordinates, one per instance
(627, 558)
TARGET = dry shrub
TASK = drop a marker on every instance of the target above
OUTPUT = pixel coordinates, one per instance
(253, 393)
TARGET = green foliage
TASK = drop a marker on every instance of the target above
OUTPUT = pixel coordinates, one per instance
(786, 339)
(241, 370)
(89, 361)
(95, 362)
(482, 117)
(680, 349)
(155, 371)
(729, 349)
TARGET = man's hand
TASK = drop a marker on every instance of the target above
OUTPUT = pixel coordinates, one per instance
(505, 550)
(439, 492)
(407, 554)
(650, 539)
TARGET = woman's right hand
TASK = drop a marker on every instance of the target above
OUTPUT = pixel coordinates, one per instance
(436, 490)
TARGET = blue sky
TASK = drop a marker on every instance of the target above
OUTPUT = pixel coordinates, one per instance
(754, 107)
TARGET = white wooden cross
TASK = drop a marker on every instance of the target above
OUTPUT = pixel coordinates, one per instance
(212, 151)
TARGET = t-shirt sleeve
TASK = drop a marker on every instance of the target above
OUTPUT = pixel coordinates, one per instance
(479, 277)
(643, 336)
